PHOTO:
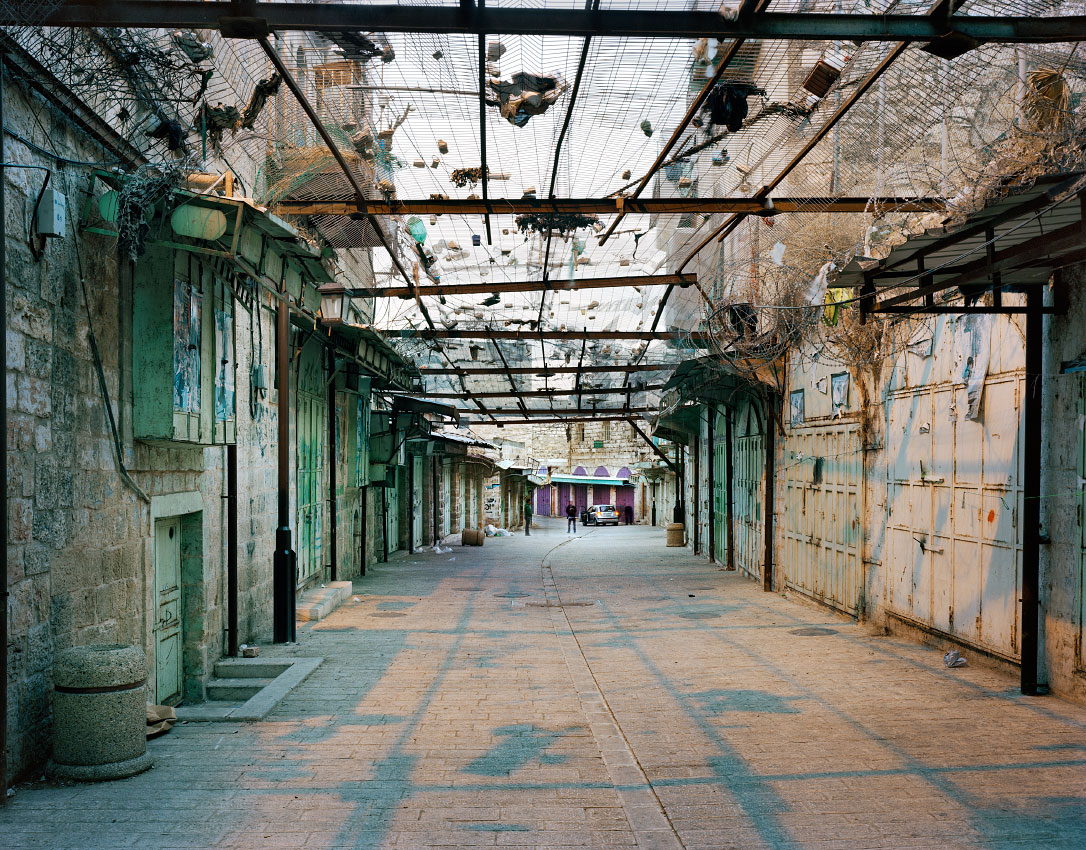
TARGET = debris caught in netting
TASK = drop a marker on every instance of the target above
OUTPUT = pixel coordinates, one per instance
(562, 224)
(524, 96)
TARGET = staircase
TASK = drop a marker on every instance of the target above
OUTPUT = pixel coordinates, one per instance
(248, 688)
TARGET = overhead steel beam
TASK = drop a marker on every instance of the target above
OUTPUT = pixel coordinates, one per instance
(693, 336)
(550, 370)
(522, 286)
(561, 420)
(540, 393)
(658, 451)
(262, 18)
(607, 411)
(605, 206)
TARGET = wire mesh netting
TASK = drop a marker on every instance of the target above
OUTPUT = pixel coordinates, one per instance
(819, 122)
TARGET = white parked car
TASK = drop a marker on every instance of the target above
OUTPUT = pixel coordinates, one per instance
(601, 515)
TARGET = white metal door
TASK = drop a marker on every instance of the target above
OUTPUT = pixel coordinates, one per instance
(168, 623)
(416, 502)
(953, 490)
(748, 471)
(820, 524)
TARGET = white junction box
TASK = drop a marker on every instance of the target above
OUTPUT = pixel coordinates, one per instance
(52, 214)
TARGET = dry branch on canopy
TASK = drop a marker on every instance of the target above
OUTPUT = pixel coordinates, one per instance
(463, 177)
(563, 225)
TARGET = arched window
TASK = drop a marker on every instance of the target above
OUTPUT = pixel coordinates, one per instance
(580, 470)
(601, 472)
(624, 472)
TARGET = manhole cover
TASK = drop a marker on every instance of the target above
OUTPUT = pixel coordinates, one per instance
(464, 589)
(652, 599)
(812, 631)
(699, 615)
(387, 614)
(512, 594)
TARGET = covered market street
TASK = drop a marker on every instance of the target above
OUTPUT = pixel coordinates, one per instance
(597, 690)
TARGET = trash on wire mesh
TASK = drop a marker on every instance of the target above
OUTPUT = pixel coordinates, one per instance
(524, 95)
(954, 659)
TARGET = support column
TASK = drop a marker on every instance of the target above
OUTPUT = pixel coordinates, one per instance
(333, 506)
(770, 476)
(710, 459)
(729, 483)
(232, 548)
(284, 561)
(1031, 492)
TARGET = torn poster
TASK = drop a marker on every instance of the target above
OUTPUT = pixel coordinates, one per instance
(972, 350)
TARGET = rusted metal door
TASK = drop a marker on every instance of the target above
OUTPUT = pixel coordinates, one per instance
(820, 524)
(748, 492)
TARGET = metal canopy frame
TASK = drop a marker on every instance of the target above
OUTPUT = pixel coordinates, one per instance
(604, 206)
(1022, 240)
(248, 19)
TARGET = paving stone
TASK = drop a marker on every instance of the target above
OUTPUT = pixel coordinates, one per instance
(476, 720)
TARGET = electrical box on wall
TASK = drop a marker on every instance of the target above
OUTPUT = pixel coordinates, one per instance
(52, 217)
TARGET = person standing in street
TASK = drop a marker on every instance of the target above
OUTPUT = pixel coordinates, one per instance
(528, 516)
(571, 518)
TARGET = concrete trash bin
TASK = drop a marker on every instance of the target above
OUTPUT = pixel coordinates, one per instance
(676, 534)
(99, 713)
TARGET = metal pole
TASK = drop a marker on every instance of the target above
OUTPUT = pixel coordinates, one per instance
(333, 513)
(1031, 492)
(284, 559)
(232, 548)
(411, 503)
(729, 472)
(696, 496)
(770, 476)
(710, 460)
(384, 525)
(3, 462)
(364, 525)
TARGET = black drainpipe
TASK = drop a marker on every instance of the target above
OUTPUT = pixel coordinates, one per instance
(3, 463)
(284, 563)
(363, 525)
(1031, 495)
(770, 476)
(729, 544)
(232, 547)
(333, 519)
(710, 460)
(384, 522)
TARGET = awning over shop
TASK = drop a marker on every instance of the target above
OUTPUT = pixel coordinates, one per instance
(417, 405)
(583, 479)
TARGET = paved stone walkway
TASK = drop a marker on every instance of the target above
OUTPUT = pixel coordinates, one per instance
(597, 691)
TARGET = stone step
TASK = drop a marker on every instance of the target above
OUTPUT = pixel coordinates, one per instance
(251, 668)
(318, 602)
(238, 690)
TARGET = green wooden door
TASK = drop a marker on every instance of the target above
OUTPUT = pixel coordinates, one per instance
(168, 637)
(311, 431)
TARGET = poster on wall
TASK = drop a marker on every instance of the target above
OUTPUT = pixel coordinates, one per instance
(796, 411)
(224, 378)
(187, 311)
(839, 392)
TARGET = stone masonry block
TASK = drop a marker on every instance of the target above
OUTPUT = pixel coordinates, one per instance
(34, 396)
